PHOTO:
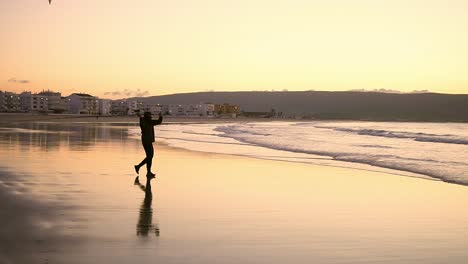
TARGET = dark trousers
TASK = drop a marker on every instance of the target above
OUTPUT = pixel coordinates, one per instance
(148, 146)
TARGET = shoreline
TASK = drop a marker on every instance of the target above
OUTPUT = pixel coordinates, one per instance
(391, 171)
(196, 120)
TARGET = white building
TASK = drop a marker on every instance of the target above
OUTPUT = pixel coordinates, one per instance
(154, 109)
(80, 103)
(134, 106)
(202, 109)
(119, 107)
(12, 102)
(105, 106)
(165, 109)
(66, 103)
(45, 101)
(126, 107)
(192, 109)
(55, 101)
(176, 110)
(207, 109)
(34, 102)
(130, 107)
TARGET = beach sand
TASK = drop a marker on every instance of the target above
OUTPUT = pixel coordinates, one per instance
(72, 198)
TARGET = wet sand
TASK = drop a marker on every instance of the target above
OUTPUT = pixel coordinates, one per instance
(69, 196)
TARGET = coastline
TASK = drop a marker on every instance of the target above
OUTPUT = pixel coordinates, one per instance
(19, 118)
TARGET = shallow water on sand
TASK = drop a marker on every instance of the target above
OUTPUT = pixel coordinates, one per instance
(77, 186)
(437, 150)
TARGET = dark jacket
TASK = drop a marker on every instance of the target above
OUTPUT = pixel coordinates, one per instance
(147, 129)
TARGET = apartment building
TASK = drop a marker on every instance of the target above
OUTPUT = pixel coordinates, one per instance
(81, 103)
(34, 102)
(227, 109)
(119, 107)
(105, 107)
(134, 106)
(176, 110)
(207, 109)
(154, 109)
(55, 102)
(12, 102)
(125, 107)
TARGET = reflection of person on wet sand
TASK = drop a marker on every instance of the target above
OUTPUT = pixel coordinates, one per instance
(147, 138)
(145, 220)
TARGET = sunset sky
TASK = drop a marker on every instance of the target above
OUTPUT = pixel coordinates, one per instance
(114, 48)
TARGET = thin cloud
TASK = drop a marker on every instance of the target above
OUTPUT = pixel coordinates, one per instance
(128, 93)
(142, 94)
(14, 80)
(114, 93)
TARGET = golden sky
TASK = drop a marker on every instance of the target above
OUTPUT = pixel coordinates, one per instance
(162, 47)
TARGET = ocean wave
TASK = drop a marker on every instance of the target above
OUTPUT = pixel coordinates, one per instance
(452, 171)
(299, 142)
(238, 130)
(199, 133)
(206, 141)
(420, 137)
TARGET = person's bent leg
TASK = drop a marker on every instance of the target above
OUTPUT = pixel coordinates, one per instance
(144, 161)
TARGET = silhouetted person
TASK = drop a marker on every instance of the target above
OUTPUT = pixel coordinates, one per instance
(147, 138)
(145, 220)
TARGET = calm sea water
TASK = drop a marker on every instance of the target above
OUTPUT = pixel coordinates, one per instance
(438, 150)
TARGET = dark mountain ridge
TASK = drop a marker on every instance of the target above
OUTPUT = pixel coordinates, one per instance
(336, 105)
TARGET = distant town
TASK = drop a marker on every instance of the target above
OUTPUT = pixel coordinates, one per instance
(308, 105)
(86, 104)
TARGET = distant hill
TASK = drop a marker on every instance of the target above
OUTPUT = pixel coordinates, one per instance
(337, 105)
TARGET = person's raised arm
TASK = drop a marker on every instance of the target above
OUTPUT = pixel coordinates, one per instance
(158, 121)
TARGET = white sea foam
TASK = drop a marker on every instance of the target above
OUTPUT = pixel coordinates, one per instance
(423, 137)
(438, 150)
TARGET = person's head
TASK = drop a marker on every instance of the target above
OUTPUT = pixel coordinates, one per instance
(147, 115)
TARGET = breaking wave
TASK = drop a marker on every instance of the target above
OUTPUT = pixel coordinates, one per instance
(436, 150)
